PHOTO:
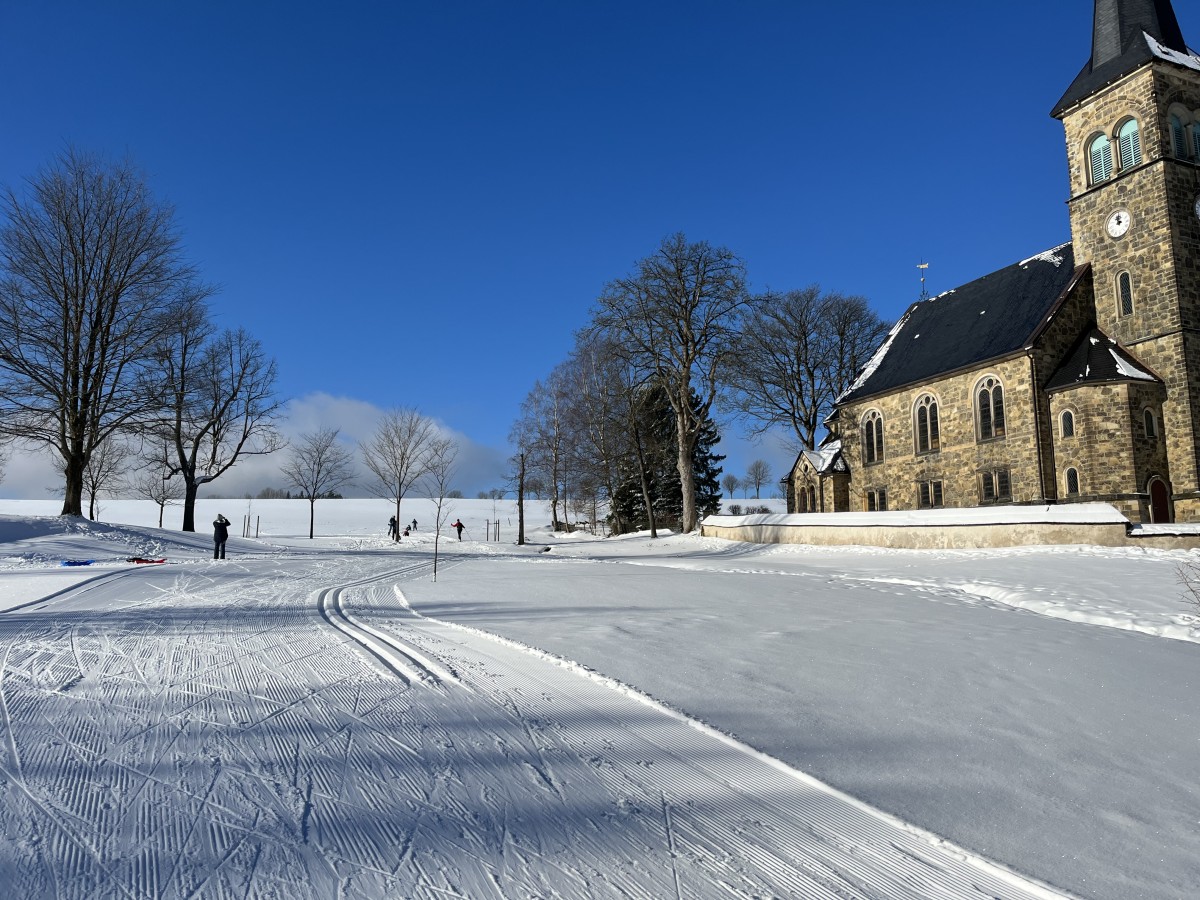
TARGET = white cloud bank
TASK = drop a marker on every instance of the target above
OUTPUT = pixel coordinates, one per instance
(32, 473)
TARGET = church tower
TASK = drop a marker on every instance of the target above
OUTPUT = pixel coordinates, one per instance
(1132, 121)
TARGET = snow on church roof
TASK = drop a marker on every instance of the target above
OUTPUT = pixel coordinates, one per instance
(1191, 60)
(988, 318)
(1095, 359)
(827, 458)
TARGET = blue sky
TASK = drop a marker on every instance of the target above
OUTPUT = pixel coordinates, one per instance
(417, 203)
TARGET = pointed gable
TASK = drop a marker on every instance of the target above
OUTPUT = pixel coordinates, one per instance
(991, 317)
(1119, 45)
(1097, 359)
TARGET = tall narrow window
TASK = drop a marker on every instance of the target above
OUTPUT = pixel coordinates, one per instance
(1179, 138)
(996, 487)
(873, 437)
(929, 494)
(928, 429)
(1003, 485)
(1129, 145)
(1072, 483)
(1195, 130)
(1125, 293)
(1100, 158)
(1067, 424)
(991, 410)
(1151, 424)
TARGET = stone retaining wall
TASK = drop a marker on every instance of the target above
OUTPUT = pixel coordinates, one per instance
(1096, 524)
(942, 537)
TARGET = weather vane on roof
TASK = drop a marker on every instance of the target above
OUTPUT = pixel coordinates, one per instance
(924, 293)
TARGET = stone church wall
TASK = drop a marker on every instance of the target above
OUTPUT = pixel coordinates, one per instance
(962, 457)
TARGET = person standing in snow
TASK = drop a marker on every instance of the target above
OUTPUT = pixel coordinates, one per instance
(414, 525)
(458, 526)
(220, 536)
(392, 528)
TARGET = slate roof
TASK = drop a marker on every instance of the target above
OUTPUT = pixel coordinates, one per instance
(988, 318)
(827, 459)
(1097, 359)
(1119, 45)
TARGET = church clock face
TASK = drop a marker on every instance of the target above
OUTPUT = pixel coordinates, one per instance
(1118, 223)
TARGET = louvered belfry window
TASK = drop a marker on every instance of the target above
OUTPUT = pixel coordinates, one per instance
(1179, 141)
(1129, 145)
(1100, 159)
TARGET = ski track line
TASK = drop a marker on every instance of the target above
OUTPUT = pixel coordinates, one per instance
(882, 851)
(398, 656)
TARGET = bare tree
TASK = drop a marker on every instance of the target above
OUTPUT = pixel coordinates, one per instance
(731, 483)
(318, 465)
(397, 454)
(90, 276)
(218, 393)
(439, 469)
(152, 482)
(104, 470)
(758, 473)
(541, 434)
(604, 420)
(677, 316)
(798, 352)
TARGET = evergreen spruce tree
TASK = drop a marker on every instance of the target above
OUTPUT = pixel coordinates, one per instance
(656, 427)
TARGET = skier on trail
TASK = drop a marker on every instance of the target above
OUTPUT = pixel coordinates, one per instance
(392, 526)
(458, 526)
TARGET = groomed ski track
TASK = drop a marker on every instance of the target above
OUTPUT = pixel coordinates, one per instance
(290, 728)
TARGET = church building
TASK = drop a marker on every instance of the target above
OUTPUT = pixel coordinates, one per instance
(1073, 375)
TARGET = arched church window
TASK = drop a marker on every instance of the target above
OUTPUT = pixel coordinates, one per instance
(928, 428)
(1129, 145)
(1066, 424)
(872, 437)
(1179, 138)
(991, 409)
(1125, 294)
(1100, 158)
(1151, 424)
(1072, 482)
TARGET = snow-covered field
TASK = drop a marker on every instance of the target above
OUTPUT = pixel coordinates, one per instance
(632, 718)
